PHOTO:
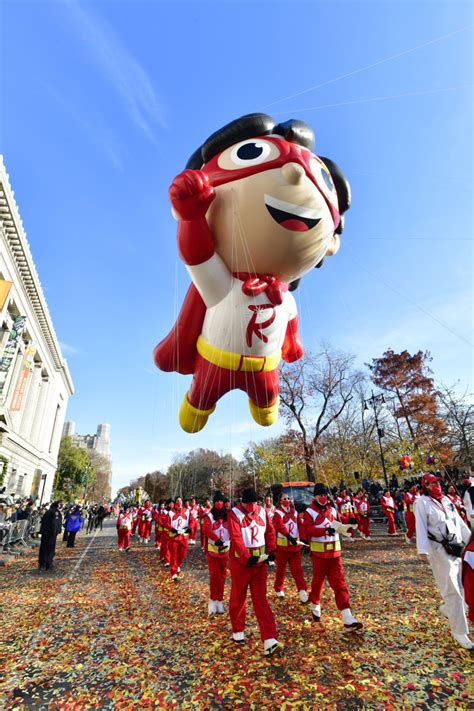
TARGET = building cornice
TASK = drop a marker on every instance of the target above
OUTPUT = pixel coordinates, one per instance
(21, 254)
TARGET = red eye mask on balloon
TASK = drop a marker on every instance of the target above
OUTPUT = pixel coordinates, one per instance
(288, 152)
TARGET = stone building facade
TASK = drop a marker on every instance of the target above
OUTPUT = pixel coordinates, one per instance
(35, 383)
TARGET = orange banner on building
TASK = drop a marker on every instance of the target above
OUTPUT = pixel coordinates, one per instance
(5, 287)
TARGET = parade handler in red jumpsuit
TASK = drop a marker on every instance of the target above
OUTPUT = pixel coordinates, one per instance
(322, 528)
(177, 523)
(252, 539)
(288, 550)
(409, 498)
(216, 531)
(388, 509)
(145, 519)
(124, 528)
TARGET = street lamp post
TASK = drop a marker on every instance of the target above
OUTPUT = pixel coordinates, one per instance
(373, 401)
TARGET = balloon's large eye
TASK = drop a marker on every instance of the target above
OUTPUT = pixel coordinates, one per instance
(248, 153)
(327, 179)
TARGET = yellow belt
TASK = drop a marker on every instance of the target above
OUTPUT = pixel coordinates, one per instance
(253, 551)
(321, 547)
(159, 528)
(235, 361)
(215, 549)
(123, 528)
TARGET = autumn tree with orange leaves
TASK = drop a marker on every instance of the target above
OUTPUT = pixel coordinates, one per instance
(413, 402)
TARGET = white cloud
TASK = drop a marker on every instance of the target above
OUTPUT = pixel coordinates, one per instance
(120, 68)
(68, 350)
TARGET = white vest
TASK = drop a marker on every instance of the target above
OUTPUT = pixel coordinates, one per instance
(180, 520)
(221, 532)
(291, 527)
(324, 524)
(253, 535)
(125, 520)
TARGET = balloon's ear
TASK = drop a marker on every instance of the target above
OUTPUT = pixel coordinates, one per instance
(333, 247)
(175, 214)
(293, 285)
(343, 189)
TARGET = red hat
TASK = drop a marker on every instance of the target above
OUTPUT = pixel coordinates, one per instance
(428, 479)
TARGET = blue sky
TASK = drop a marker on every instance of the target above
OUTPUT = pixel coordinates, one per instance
(102, 104)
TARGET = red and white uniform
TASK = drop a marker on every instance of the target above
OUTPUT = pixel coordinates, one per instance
(177, 519)
(202, 511)
(325, 555)
(134, 519)
(145, 518)
(468, 579)
(158, 527)
(363, 511)
(458, 502)
(345, 509)
(251, 534)
(269, 510)
(285, 522)
(164, 547)
(194, 521)
(217, 557)
(388, 508)
(124, 528)
(409, 499)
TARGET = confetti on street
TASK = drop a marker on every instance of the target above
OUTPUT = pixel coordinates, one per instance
(110, 630)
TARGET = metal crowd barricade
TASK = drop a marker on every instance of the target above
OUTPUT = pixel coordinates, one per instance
(16, 535)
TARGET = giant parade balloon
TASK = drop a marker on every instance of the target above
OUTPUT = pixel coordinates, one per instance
(256, 210)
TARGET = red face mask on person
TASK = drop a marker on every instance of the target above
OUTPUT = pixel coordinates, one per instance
(322, 500)
(219, 505)
(178, 504)
(227, 504)
(251, 506)
(286, 503)
(436, 491)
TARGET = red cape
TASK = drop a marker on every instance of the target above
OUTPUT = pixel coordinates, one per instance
(177, 351)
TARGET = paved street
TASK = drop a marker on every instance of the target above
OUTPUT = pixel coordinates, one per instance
(109, 630)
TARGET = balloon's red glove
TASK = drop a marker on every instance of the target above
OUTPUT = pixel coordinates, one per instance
(191, 194)
(292, 347)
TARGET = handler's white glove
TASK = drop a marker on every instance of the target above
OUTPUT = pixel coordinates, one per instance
(342, 528)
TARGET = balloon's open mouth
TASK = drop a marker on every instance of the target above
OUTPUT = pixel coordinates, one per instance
(291, 217)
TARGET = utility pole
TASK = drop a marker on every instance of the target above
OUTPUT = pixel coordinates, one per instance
(373, 401)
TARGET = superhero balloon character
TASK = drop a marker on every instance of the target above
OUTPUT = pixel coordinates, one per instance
(256, 210)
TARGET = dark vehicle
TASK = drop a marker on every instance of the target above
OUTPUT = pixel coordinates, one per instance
(301, 493)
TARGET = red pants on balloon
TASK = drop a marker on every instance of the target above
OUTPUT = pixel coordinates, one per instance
(164, 548)
(392, 529)
(364, 526)
(255, 578)
(330, 568)
(123, 538)
(144, 529)
(178, 547)
(217, 574)
(293, 558)
(210, 383)
(410, 520)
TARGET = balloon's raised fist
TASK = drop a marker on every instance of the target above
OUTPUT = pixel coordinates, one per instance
(191, 194)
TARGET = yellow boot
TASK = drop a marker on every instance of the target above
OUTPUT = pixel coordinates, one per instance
(265, 416)
(190, 418)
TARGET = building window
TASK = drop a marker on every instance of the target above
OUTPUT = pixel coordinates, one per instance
(19, 485)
